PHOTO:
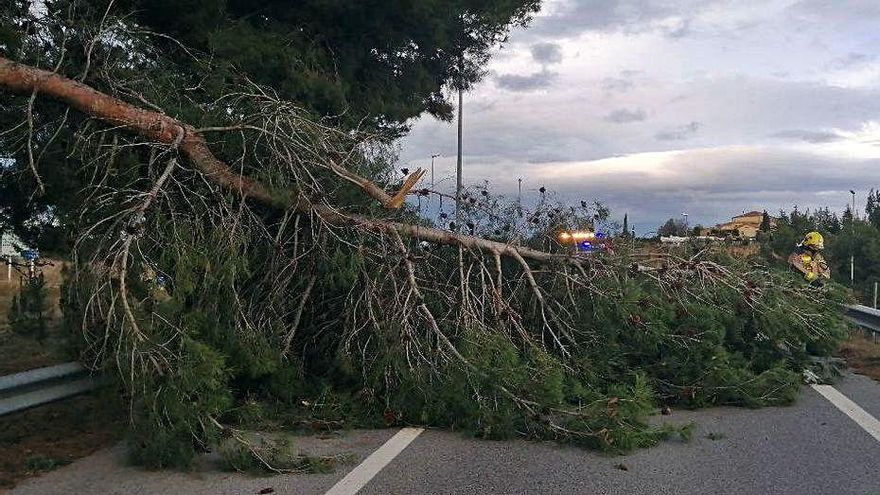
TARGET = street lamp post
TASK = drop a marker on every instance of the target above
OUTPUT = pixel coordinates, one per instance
(852, 232)
(458, 163)
(432, 168)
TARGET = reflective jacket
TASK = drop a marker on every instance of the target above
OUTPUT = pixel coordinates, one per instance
(810, 264)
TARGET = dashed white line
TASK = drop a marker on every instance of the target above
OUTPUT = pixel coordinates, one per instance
(860, 416)
(365, 471)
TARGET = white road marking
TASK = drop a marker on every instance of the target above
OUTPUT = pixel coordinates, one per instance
(365, 471)
(860, 416)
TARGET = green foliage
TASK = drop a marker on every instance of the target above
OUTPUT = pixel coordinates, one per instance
(40, 463)
(386, 61)
(765, 222)
(268, 455)
(635, 342)
(170, 424)
(872, 208)
(672, 227)
(372, 65)
(845, 237)
(229, 313)
(11, 27)
(28, 311)
(259, 455)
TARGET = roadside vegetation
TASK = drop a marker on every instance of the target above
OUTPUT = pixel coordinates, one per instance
(32, 340)
(845, 236)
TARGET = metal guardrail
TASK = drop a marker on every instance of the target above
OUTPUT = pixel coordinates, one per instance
(865, 317)
(40, 386)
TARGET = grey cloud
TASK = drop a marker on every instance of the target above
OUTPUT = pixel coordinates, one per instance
(838, 10)
(546, 53)
(679, 28)
(851, 59)
(815, 137)
(515, 82)
(550, 127)
(624, 116)
(679, 133)
(711, 184)
(617, 84)
(587, 15)
(578, 16)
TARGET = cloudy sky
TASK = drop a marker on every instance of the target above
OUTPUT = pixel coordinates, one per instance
(658, 107)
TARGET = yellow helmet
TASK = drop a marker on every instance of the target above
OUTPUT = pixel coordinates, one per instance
(813, 240)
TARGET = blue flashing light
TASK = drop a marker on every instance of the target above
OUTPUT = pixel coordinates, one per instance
(586, 246)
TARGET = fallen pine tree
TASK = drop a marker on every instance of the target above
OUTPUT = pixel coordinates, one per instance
(253, 268)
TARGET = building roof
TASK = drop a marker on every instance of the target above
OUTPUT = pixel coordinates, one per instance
(753, 213)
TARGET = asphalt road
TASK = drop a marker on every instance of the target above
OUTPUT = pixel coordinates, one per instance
(808, 448)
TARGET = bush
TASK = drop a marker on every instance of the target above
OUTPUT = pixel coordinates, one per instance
(28, 311)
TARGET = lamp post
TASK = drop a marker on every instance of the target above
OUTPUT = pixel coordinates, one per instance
(852, 232)
(432, 168)
(458, 162)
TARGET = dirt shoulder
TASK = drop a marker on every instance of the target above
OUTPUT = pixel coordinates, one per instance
(862, 354)
(44, 438)
(50, 436)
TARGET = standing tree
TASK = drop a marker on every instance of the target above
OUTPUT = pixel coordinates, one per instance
(384, 61)
(847, 218)
(765, 223)
(672, 227)
(625, 225)
(872, 209)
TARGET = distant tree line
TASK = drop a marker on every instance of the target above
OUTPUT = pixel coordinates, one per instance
(845, 236)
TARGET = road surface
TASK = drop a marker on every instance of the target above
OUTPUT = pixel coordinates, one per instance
(812, 447)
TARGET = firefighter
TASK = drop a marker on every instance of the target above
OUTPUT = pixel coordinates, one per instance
(808, 261)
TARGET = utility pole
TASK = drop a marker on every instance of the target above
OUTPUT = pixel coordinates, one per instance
(432, 168)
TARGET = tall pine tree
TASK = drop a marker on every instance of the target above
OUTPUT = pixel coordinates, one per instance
(765, 223)
(872, 209)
